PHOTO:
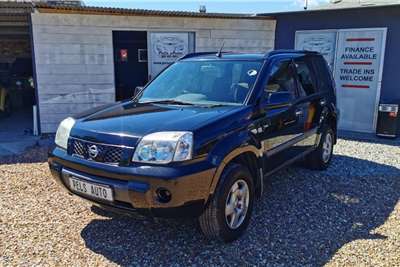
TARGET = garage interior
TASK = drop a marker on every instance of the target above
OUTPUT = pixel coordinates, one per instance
(17, 94)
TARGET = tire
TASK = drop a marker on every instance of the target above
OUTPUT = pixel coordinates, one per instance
(321, 157)
(215, 222)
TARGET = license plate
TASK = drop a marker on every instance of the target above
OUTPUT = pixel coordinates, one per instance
(91, 189)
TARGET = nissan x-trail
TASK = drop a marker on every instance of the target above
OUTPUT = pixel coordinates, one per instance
(202, 138)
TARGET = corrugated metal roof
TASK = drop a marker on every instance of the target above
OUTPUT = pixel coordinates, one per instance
(47, 8)
(11, 8)
(14, 14)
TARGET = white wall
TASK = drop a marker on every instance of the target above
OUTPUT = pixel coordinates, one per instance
(74, 53)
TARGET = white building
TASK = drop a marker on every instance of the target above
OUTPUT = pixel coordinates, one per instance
(88, 56)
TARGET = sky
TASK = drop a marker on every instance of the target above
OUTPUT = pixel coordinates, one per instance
(227, 6)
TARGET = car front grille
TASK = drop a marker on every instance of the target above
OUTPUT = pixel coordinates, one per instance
(109, 154)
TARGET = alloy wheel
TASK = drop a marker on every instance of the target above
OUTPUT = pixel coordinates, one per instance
(327, 147)
(237, 204)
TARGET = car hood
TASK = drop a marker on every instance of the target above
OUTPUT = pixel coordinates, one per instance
(124, 123)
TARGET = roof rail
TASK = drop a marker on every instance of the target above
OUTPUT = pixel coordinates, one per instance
(289, 51)
(266, 55)
(190, 55)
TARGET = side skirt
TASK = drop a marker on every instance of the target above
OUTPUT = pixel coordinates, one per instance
(289, 162)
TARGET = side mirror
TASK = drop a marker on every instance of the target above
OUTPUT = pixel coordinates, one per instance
(137, 90)
(279, 98)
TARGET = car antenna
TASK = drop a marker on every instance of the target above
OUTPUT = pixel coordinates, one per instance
(219, 54)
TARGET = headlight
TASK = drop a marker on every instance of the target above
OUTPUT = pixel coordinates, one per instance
(63, 132)
(164, 147)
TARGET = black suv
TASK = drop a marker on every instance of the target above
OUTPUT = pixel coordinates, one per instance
(200, 139)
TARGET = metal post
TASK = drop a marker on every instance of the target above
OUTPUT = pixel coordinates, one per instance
(35, 121)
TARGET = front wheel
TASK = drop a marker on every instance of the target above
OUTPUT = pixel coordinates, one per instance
(228, 213)
(321, 157)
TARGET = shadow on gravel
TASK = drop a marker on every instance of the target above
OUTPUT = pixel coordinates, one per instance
(303, 219)
(35, 154)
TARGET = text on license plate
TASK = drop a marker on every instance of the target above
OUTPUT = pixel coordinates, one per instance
(90, 189)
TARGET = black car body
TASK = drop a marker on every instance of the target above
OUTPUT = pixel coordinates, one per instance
(285, 110)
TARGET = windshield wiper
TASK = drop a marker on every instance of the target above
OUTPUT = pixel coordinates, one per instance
(169, 101)
(215, 105)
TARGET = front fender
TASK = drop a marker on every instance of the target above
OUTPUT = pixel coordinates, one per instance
(229, 148)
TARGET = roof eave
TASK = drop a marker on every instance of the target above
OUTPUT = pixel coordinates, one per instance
(60, 9)
(310, 11)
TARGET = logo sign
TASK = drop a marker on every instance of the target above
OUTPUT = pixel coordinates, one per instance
(93, 151)
(166, 48)
(323, 41)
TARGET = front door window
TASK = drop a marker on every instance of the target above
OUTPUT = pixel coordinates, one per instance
(281, 80)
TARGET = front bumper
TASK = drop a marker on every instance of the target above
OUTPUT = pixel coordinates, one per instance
(134, 188)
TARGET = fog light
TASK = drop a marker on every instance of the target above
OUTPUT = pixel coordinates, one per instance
(163, 195)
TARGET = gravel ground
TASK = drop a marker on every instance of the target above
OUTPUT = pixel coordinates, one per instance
(346, 215)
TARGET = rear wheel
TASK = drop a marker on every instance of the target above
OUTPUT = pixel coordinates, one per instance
(322, 156)
(228, 213)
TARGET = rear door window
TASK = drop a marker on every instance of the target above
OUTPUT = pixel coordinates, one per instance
(305, 76)
(323, 74)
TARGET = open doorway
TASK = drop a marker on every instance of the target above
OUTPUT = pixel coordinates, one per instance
(17, 93)
(130, 62)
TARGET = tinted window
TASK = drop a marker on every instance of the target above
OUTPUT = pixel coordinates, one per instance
(281, 79)
(305, 77)
(323, 75)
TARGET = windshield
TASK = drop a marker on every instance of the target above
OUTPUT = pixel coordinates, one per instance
(219, 82)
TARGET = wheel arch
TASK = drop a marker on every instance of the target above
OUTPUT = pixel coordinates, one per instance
(249, 156)
(330, 117)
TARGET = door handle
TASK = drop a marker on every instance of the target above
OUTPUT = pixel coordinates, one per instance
(299, 113)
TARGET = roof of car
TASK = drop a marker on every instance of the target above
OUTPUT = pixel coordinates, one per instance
(245, 56)
(224, 55)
